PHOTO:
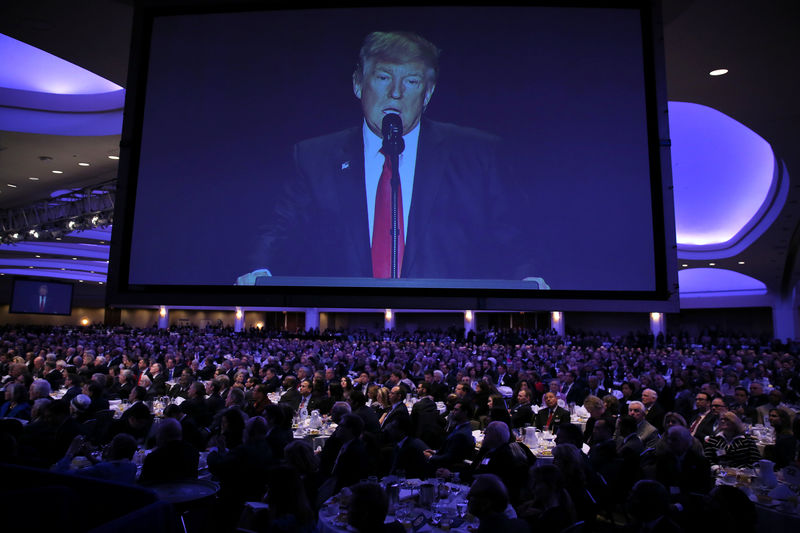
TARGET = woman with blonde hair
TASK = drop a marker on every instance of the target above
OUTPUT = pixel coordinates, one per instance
(731, 446)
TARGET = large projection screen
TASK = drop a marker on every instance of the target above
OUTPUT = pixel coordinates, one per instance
(536, 171)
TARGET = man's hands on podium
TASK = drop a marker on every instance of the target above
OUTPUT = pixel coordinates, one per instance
(542, 283)
(251, 278)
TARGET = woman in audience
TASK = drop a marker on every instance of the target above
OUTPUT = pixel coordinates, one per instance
(568, 459)
(784, 451)
(260, 401)
(16, 405)
(628, 391)
(347, 386)
(731, 446)
(300, 456)
(382, 405)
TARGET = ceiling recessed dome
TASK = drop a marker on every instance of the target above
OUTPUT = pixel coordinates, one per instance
(726, 181)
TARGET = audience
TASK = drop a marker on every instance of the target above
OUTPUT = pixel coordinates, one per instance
(365, 383)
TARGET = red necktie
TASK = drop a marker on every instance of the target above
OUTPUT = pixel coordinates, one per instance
(382, 226)
(550, 418)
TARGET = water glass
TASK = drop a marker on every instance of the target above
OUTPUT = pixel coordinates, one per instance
(461, 507)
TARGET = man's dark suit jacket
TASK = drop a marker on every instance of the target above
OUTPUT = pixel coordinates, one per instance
(463, 220)
(371, 422)
(410, 457)
(174, 461)
(400, 411)
(561, 416)
(459, 445)
(522, 415)
(292, 398)
(426, 424)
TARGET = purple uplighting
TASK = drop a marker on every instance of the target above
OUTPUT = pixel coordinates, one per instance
(723, 174)
(702, 282)
(25, 67)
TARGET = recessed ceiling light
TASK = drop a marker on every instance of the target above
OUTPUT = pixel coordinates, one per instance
(718, 72)
(63, 269)
(80, 281)
(30, 267)
(75, 259)
(83, 164)
(684, 266)
(113, 157)
(711, 264)
(100, 282)
(58, 238)
(38, 255)
(741, 262)
(12, 185)
(56, 172)
(33, 179)
(102, 242)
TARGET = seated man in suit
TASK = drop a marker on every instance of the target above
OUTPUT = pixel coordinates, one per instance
(456, 193)
(646, 431)
(426, 423)
(521, 414)
(398, 411)
(552, 415)
(459, 444)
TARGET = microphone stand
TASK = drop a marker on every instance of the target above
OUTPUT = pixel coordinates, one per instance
(395, 181)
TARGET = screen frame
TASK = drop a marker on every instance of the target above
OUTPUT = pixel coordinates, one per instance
(664, 298)
(40, 282)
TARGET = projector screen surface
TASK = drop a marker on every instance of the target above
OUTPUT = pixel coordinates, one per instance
(533, 165)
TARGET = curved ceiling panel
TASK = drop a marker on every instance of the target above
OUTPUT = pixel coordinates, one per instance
(28, 68)
(724, 175)
(702, 282)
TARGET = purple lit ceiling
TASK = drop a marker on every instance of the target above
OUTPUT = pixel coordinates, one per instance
(703, 282)
(28, 68)
(41, 93)
(725, 177)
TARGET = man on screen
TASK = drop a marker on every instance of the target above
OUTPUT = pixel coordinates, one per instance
(42, 303)
(459, 212)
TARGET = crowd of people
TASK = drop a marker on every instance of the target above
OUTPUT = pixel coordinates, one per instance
(663, 412)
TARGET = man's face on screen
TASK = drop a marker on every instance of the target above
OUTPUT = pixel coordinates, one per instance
(393, 88)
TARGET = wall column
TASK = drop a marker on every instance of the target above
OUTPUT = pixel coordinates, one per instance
(658, 324)
(557, 322)
(388, 319)
(312, 318)
(469, 322)
(238, 324)
(785, 316)
(163, 317)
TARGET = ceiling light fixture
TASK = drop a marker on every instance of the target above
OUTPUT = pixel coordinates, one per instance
(741, 262)
(33, 179)
(115, 157)
(56, 172)
(712, 264)
(718, 72)
(12, 185)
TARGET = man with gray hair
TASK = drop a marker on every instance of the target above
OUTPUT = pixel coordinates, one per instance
(646, 431)
(40, 388)
(654, 412)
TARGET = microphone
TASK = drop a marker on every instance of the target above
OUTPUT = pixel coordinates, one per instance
(392, 130)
